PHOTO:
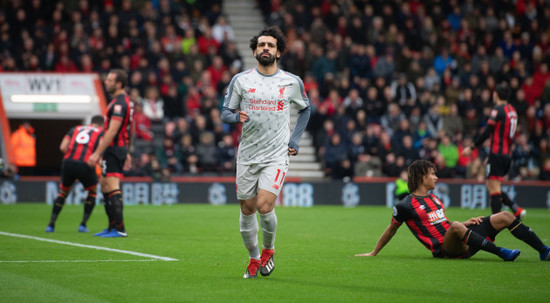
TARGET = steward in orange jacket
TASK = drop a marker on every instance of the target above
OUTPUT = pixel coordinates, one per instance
(24, 146)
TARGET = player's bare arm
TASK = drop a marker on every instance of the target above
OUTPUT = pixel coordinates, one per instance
(385, 238)
(110, 134)
(64, 146)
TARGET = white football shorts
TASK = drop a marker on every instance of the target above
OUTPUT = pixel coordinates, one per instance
(266, 176)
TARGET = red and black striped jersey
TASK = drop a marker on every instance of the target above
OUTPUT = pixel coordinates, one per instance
(83, 140)
(122, 109)
(425, 217)
(504, 120)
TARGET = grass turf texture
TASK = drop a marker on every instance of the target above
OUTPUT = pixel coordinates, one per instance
(314, 259)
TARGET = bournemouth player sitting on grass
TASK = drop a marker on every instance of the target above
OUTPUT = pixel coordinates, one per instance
(424, 214)
(77, 145)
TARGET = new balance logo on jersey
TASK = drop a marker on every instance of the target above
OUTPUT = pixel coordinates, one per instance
(276, 186)
(251, 90)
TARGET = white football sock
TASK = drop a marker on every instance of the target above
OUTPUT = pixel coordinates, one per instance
(249, 232)
(269, 229)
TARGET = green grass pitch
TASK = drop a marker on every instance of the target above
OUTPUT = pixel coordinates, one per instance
(314, 259)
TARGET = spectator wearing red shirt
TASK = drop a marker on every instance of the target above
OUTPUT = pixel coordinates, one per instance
(216, 70)
(171, 42)
(206, 41)
(539, 79)
(65, 65)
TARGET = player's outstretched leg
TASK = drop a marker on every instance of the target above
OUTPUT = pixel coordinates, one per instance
(527, 235)
(509, 254)
(475, 240)
(545, 255)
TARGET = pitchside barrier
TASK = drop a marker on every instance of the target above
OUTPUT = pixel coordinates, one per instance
(295, 193)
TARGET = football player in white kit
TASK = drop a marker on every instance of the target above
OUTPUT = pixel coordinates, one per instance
(260, 99)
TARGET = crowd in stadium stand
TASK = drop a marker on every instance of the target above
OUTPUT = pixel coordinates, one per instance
(389, 81)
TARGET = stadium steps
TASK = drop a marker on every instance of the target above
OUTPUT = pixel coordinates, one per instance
(305, 164)
(246, 20)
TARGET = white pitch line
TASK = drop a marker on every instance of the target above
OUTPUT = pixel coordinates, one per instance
(74, 261)
(90, 246)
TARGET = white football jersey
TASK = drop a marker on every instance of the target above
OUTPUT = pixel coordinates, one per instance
(266, 99)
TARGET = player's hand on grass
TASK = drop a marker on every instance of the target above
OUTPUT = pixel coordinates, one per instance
(369, 254)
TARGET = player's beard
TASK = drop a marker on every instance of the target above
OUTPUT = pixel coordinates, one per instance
(266, 61)
(110, 89)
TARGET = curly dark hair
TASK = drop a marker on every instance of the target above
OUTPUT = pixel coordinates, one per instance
(416, 172)
(274, 32)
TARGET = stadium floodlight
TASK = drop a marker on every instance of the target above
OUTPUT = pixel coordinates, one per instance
(51, 98)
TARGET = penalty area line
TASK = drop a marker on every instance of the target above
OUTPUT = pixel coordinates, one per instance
(129, 252)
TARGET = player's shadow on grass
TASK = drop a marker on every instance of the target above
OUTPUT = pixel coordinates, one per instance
(432, 259)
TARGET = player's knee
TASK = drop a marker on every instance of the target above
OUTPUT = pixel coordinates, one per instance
(456, 226)
(247, 209)
(505, 217)
(265, 208)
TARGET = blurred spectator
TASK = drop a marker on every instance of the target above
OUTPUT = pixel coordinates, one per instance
(169, 157)
(403, 91)
(407, 151)
(449, 151)
(434, 121)
(189, 158)
(368, 166)
(390, 121)
(524, 162)
(545, 170)
(23, 142)
(222, 31)
(452, 123)
(464, 162)
(153, 106)
(142, 123)
(226, 154)
(335, 152)
(401, 188)
(207, 153)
